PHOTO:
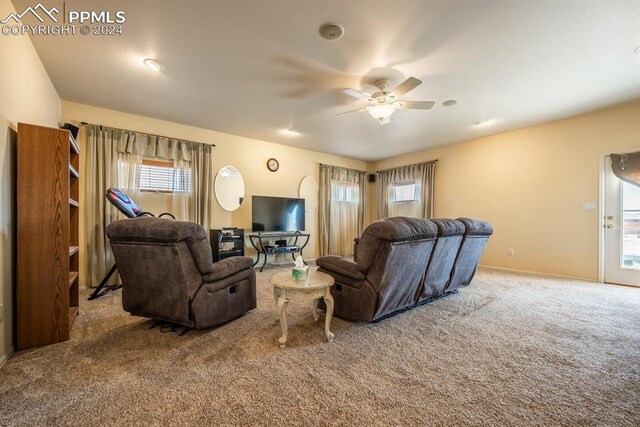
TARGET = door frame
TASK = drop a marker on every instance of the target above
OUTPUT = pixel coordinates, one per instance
(601, 198)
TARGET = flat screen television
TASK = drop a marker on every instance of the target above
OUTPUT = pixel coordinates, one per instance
(277, 214)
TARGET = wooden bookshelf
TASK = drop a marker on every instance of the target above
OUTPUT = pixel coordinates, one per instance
(48, 190)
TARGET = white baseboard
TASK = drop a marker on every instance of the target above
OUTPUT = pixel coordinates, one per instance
(6, 357)
(558, 276)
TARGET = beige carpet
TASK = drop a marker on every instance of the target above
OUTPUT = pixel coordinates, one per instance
(508, 350)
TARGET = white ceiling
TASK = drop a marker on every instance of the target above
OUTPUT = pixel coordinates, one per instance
(253, 67)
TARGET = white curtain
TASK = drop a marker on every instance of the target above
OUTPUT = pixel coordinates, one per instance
(407, 191)
(192, 162)
(181, 199)
(114, 159)
(201, 184)
(105, 168)
(129, 164)
(194, 205)
(342, 204)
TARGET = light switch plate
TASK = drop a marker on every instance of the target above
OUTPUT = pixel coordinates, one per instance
(589, 206)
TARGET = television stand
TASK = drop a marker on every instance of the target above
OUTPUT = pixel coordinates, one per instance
(261, 243)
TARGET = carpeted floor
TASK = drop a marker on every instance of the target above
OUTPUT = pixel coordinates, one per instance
(508, 350)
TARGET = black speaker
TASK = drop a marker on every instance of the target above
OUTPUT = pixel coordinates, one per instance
(71, 128)
(372, 177)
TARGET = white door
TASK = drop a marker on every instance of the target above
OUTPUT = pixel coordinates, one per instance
(621, 230)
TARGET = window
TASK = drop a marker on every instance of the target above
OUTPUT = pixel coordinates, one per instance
(345, 191)
(630, 226)
(162, 177)
(405, 192)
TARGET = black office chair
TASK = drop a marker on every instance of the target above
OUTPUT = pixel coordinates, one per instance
(130, 209)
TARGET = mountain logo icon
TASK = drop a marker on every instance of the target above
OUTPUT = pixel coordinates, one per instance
(34, 11)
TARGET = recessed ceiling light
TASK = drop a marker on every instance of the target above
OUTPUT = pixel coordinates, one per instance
(483, 123)
(450, 103)
(289, 132)
(331, 31)
(153, 64)
(637, 50)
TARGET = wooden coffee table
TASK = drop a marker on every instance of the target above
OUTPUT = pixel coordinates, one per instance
(316, 286)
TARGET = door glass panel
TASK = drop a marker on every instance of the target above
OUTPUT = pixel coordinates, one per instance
(630, 226)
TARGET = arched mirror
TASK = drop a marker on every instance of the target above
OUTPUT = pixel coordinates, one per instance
(229, 188)
(309, 192)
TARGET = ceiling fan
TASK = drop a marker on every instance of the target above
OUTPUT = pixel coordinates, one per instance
(383, 104)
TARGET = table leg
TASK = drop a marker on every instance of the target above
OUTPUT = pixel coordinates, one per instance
(276, 295)
(264, 262)
(328, 300)
(282, 311)
(316, 314)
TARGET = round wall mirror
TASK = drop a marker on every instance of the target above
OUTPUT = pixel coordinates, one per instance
(229, 188)
(309, 192)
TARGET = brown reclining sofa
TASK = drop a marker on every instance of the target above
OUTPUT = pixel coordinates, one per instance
(402, 262)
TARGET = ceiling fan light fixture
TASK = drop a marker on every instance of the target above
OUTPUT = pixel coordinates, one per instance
(381, 112)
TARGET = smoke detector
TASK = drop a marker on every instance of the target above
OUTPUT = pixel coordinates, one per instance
(331, 31)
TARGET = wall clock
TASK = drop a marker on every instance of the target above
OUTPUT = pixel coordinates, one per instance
(272, 164)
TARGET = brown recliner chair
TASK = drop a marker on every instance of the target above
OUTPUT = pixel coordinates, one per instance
(168, 273)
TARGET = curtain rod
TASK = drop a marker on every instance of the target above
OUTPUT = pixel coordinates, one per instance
(146, 133)
(406, 166)
(333, 166)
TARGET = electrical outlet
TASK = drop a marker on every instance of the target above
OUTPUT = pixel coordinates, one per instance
(511, 252)
(1, 313)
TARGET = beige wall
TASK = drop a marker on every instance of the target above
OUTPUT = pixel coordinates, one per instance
(249, 156)
(26, 95)
(530, 184)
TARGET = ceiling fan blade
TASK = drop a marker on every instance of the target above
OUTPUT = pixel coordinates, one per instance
(352, 111)
(414, 105)
(357, 94)
(409, 84)
(385, 121)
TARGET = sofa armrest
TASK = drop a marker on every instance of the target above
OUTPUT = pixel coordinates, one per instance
(341, 266)
(227, 267)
